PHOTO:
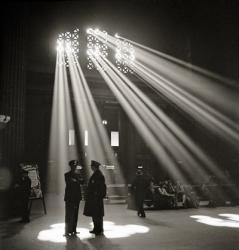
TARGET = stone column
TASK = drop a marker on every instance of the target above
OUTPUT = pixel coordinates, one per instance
(13, 79)
(12, 93)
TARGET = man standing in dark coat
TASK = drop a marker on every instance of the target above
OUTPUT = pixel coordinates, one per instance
(139, 187)
(72, 197)
(96, 191)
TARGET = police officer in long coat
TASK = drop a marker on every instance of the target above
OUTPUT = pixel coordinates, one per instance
(72, 198)
(140, 185)
(95, 193)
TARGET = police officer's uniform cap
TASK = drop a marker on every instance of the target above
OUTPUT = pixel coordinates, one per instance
(95, 163)
(73, 162)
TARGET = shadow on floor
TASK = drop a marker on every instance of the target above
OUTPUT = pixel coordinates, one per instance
(101, 242)
(10, 229)
(148, 221)
(75, 243)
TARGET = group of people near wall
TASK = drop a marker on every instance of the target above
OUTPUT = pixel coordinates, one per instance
(94, 195)
(142, 187)
(165, 194)
(168, 194)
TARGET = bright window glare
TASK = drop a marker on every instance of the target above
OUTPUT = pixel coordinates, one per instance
(71, 137)
(96, 47)
(114, 138)
(111, 230)
(68, 42)
(89, 30)
(86, 138)
(229, 220)
(125, 56)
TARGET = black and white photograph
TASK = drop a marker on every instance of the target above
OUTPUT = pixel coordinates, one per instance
(119, 125)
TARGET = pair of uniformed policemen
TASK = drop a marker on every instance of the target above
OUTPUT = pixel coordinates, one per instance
(95, 193)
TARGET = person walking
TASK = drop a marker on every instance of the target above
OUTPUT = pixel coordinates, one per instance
(95, 193)
(140, 185)
(72, 197)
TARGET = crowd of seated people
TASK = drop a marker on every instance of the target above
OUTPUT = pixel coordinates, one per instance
(167, 194)
(164, 195)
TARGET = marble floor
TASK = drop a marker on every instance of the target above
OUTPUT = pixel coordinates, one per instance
(193, 229)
